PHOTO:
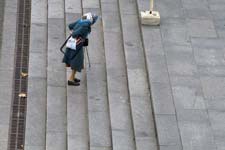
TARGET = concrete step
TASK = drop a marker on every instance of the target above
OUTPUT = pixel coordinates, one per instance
(56, 125)
(37, 79)
(7, 47)
(98, 111)
(118, 96)
(162, 99)
(77, 117)
(144, 129)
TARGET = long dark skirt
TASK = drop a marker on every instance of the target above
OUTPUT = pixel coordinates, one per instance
(74, 59)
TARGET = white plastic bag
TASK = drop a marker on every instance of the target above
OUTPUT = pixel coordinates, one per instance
(71, 43)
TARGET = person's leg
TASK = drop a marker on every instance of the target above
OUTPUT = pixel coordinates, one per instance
(71, 79)
(72, 76)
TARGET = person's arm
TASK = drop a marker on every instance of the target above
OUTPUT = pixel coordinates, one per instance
(72, 25)
(77, 33)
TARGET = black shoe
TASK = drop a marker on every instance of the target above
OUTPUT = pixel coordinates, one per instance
(73, 83)
(76, 80)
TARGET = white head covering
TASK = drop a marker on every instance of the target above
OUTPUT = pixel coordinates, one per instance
(89, 16)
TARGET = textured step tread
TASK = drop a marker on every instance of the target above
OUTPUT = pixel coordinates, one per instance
(122, 129)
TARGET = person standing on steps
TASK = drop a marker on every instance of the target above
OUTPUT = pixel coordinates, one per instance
(74, 58)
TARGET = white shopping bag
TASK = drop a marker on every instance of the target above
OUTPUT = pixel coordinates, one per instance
(71, 43)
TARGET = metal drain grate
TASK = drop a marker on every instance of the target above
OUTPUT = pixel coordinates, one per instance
(18, 111)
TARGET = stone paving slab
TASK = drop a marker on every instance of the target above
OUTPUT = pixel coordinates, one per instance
(38, 42)
(39, 11)
(4, 92)
(73, 6)
(122, 131)
(167, 130)
(38, 63)
(56, 9)
(3, 145)
(2, 5)
(36, 111)
(163, 100)
(37, 80)
(77, 111)
(77, 142)
(192, 57)
(99, 134)
(101, 148)
(7, 47)
(56, 123)
(56, 141)
(137, 75)
(169, 9)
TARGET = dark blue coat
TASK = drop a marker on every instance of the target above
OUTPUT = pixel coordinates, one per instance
(75, 58)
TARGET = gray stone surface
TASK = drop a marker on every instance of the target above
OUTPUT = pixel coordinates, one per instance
(162, 98)
(137, 75)
(91, 4)
(2, 4)
(3, 131)
(56, 9)
(108, 25)
(35, 135)
(175, 147)
(39, 11)
(100, 148)
(191, 35)
(56, 123)
(98, 114)
(185, 64)
(38, 35)
(188, 98)
(77, 111)
(109, 7)
(99, 129)
(122, 132)
(77, 142)
(7, 47)
(169, 8)
(216, 104)
(218, 127)
(3, 145)
(37, 63)
(196, 136)
(122, 141)
(173, 31)
(167, 130)
(5, 92)
(56, 140)
(198, 13)
(207, 28)
(73, 6)
(36, 112)
(6, 77)
(143, 119)
(34, 147)
(212, 87)
(146, 143)
(56, 109)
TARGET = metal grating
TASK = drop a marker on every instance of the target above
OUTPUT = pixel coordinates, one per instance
(18, 110)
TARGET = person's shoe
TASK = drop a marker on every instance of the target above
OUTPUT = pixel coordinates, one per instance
(73, 83)
(76, 80)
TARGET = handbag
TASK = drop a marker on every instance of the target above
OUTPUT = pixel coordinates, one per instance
(71, 43)
(86, 42)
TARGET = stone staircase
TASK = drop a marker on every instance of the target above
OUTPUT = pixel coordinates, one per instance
(112, 109)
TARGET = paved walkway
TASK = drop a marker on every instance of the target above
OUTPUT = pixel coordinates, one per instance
(185, 58)
(158, 87)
